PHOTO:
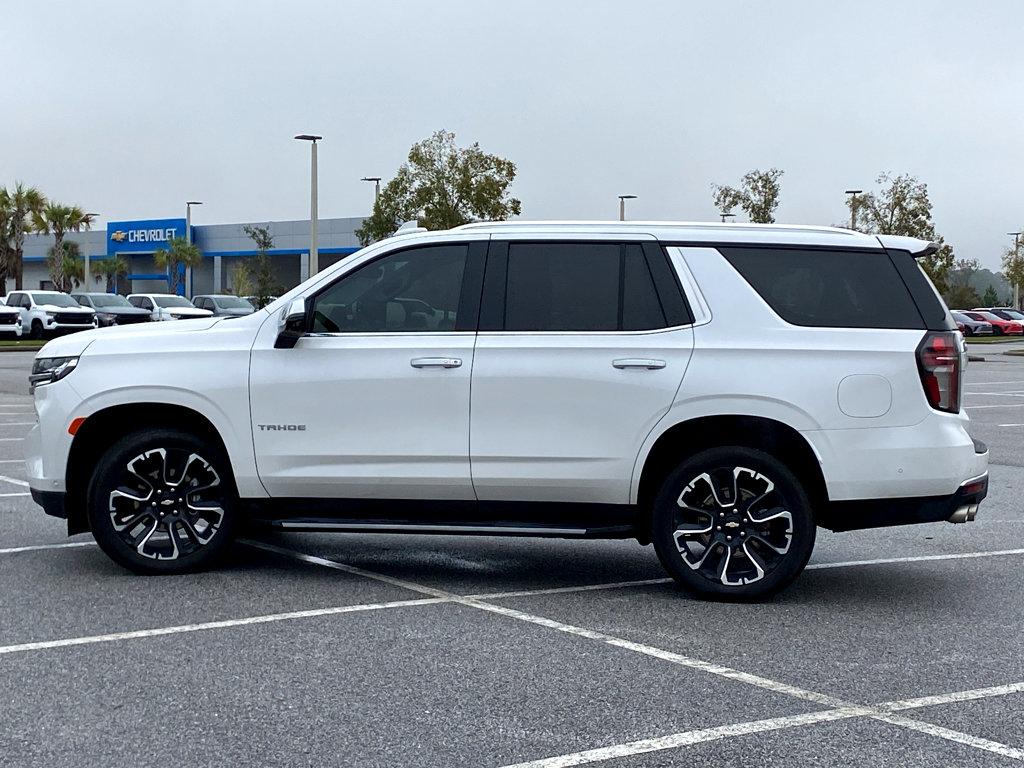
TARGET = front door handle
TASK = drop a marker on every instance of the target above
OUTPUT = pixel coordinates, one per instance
(644, 363)
(435, 362)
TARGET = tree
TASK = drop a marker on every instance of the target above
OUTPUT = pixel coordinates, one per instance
(110, 269)
(241, 283)
(991, 298)
(58, 220)
(902, 207)
(758, 195)
(260, 273)
(66, 266)
(176, 258)
(1013, 266)
(6, 246)
(23, 205)
(442, 186)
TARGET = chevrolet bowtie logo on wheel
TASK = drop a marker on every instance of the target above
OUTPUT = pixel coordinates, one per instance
(732, 525)
(118, 236)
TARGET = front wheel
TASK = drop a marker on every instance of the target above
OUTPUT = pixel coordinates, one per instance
(162, 501)
(733, 523)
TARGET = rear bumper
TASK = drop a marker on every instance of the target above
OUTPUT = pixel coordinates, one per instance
(52, 502)
(959, 507)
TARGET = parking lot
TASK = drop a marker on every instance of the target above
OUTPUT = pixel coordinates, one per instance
(896, 647)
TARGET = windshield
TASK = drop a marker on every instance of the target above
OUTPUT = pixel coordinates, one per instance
(990, 316)
(109, 300)
(233, 303)
(172, 301)
(57, 300)
(1013, 314)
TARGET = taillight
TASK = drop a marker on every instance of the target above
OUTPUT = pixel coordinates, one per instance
(938, 361)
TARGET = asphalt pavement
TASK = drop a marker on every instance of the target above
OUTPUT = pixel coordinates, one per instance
(897, 647)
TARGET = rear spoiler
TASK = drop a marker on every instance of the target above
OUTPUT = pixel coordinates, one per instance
(918, 248)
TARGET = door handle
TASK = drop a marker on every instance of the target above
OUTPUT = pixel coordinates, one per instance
(435, 362)
(644, 363)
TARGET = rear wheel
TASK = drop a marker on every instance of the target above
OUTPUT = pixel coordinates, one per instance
(733, 523)
(162, 502)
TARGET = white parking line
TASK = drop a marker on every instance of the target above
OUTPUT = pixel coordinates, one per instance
(997, 406)
(11, 461)
(1005, 395)
(985, 384)
(16, 424)
(16, 494)
(215, 625)
(690, 662)
(12, 439)
(916, 558)
(29, 548)
(1018, 424)
(15, 481)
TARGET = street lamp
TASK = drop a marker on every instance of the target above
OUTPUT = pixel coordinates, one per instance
(622, 205)
(725, 215)
(853, 207)
(314, 256)
(188, 238)
(376, 186)
(85, 254)
(1016, 253)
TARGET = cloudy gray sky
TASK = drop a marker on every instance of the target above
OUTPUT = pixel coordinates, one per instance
(130, 108)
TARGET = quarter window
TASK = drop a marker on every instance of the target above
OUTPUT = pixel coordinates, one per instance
(838, 289)
(412, 291)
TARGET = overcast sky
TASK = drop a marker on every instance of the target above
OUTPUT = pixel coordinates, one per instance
(130, 108)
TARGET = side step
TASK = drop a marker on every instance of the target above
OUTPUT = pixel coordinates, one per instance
(486, 529)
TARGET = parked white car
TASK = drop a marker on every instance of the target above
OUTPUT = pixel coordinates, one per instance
(167, 306)
(716, 390)
(46, 313)
(10, 320)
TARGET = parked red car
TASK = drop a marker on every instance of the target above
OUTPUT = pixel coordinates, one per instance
(999, 325)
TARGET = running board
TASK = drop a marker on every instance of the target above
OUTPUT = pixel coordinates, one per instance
(503, 529)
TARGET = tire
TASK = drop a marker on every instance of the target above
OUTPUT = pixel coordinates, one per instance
(137, 515)
(37, 329)
(716, 549)
(968, 331)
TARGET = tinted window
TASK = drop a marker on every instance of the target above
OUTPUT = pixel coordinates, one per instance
(416, 290)
(843, 289)
(641, 309)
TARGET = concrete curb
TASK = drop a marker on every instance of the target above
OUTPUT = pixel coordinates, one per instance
(33, 348)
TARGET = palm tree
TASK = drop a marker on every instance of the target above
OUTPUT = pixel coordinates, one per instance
(111, 268)
(57, 220)
(178, 255)
(66, 266)
(5, 238)
(23, 204)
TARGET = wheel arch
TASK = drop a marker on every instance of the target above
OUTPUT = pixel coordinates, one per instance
(104, 427)
(686, 438)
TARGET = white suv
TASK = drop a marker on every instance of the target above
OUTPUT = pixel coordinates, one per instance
(167, 306)
(717, 390)
(50, 312)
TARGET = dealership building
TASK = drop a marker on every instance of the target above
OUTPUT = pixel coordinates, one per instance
(225, 247)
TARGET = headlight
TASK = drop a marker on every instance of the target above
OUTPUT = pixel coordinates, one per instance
(50, 315)
(47, 370)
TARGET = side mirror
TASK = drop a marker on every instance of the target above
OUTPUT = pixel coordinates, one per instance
(292, 326)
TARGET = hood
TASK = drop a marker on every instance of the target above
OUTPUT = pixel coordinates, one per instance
(236, 311)
(188, 311)
(75, 344)
(55, 308)
(123, 311)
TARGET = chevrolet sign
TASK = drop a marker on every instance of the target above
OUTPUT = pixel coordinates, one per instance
(144, 235)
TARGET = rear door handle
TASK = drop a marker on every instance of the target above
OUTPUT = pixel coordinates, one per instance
(435, 362)
(644, 363)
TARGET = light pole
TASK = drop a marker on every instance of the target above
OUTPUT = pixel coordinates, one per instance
(725, 215)
(853, 207)
(188, 239)
(314, 256)
(86, 272)
(376, 187)
(1016, 255)
(622, 205)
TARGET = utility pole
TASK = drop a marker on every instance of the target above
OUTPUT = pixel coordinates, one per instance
(188, 239)
(622, 205)
(853, 207)
(1016, 255)
(376, 187)
(314, 256)
(725, 215)
(86, 271)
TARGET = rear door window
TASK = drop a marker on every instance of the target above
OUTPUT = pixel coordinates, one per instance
(838, 289)
(580, 287)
